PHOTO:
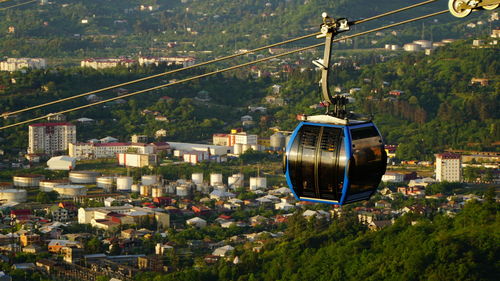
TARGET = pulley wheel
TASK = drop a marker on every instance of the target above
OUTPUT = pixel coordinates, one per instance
(454, 5)
(491, 7)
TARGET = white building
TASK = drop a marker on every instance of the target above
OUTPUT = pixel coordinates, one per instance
(50, 137)
(132, 214)
(64, 162)
(100, 63)
(448, 167)
(107, 150)
(393, 177)
(244, 138)
(136, 160)
(197, 222)
(184, 61)
(13, 64)
(189, 147)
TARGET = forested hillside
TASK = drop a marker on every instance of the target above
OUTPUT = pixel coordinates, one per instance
(79, 29)
(415, 247)
(438, 107)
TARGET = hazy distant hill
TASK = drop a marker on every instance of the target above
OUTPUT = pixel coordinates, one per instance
(76, 28)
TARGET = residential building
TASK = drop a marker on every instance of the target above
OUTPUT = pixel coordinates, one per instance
(107, 150)
(104, 217)
(184, 61)
(448, 167)
(50, 137)
(101, 63)
(14, 64)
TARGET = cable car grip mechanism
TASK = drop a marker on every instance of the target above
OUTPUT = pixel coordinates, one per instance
(335, 105)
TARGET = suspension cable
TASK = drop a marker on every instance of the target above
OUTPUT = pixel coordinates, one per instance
(158, 75)
(225, 69)
(17, 5)
(394, 11)
(6, 114)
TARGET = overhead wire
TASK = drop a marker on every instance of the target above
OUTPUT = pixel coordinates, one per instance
(17, 5)
(224, 70)
(6, 114)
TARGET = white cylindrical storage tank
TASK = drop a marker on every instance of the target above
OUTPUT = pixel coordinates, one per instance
(258, 183)
(425, 44)
(145, 190)
(148, 180)
(412, 47)
(124, 183)
(197, 178)
(105, 183)
(215, 179)
(136, 188)
(395, 47)
(277, 140)
(13, 195)
(48, 185)
(70, 191)
(182, 190)
(157, 191)
(238, 148)
(206, 189)
(245, 147)
(83, 177)
(27, 180)
(235, 181)
(170, 189)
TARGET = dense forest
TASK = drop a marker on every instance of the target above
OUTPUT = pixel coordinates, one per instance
(415, 247)
(73, 29)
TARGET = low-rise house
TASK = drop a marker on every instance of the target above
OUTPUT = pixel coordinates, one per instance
(285, 206)
(223, 251)
(197, 222)
(55, 246)
(379, 224)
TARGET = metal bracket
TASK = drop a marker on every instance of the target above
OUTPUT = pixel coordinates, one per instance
(329, 29)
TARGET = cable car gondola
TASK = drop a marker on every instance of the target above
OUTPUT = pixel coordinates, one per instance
(331, 158)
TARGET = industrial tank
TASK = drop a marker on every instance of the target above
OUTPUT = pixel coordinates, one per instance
(123, 183)
(70, 191)
(412, 47)
(13, 195)
(258, 183)
(182, 190)
(238, 148)
(106, 183)
(148, 180)
(215, 179)
(48, 185)
(157, 191)
(27, 180)
(145, 190)
(235, 181)
(197, 178)
(83, 177)
(277, 140)
(136, 188)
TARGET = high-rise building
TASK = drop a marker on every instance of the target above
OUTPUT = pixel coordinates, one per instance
(50, 137)
(448, 167)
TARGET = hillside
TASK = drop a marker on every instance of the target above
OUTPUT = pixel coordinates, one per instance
(414, 248)
(78, 29)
